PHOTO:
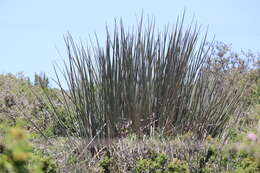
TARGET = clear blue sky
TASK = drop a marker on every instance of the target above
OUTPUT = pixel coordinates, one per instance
(31, 31)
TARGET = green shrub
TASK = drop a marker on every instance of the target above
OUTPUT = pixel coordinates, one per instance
(177, 166)
(242, 156)
(18, 155)
(247, 165)
(105, 164)
(157, 163)
(154, 164)
(72, 158)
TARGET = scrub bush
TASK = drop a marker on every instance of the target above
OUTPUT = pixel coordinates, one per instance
(17, 155)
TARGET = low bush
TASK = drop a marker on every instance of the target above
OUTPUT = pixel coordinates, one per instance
(17, 155)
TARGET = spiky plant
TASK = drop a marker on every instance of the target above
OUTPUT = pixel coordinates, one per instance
(149, 79)
(41, 79)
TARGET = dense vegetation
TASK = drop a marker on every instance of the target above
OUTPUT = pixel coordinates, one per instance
(145, 102)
